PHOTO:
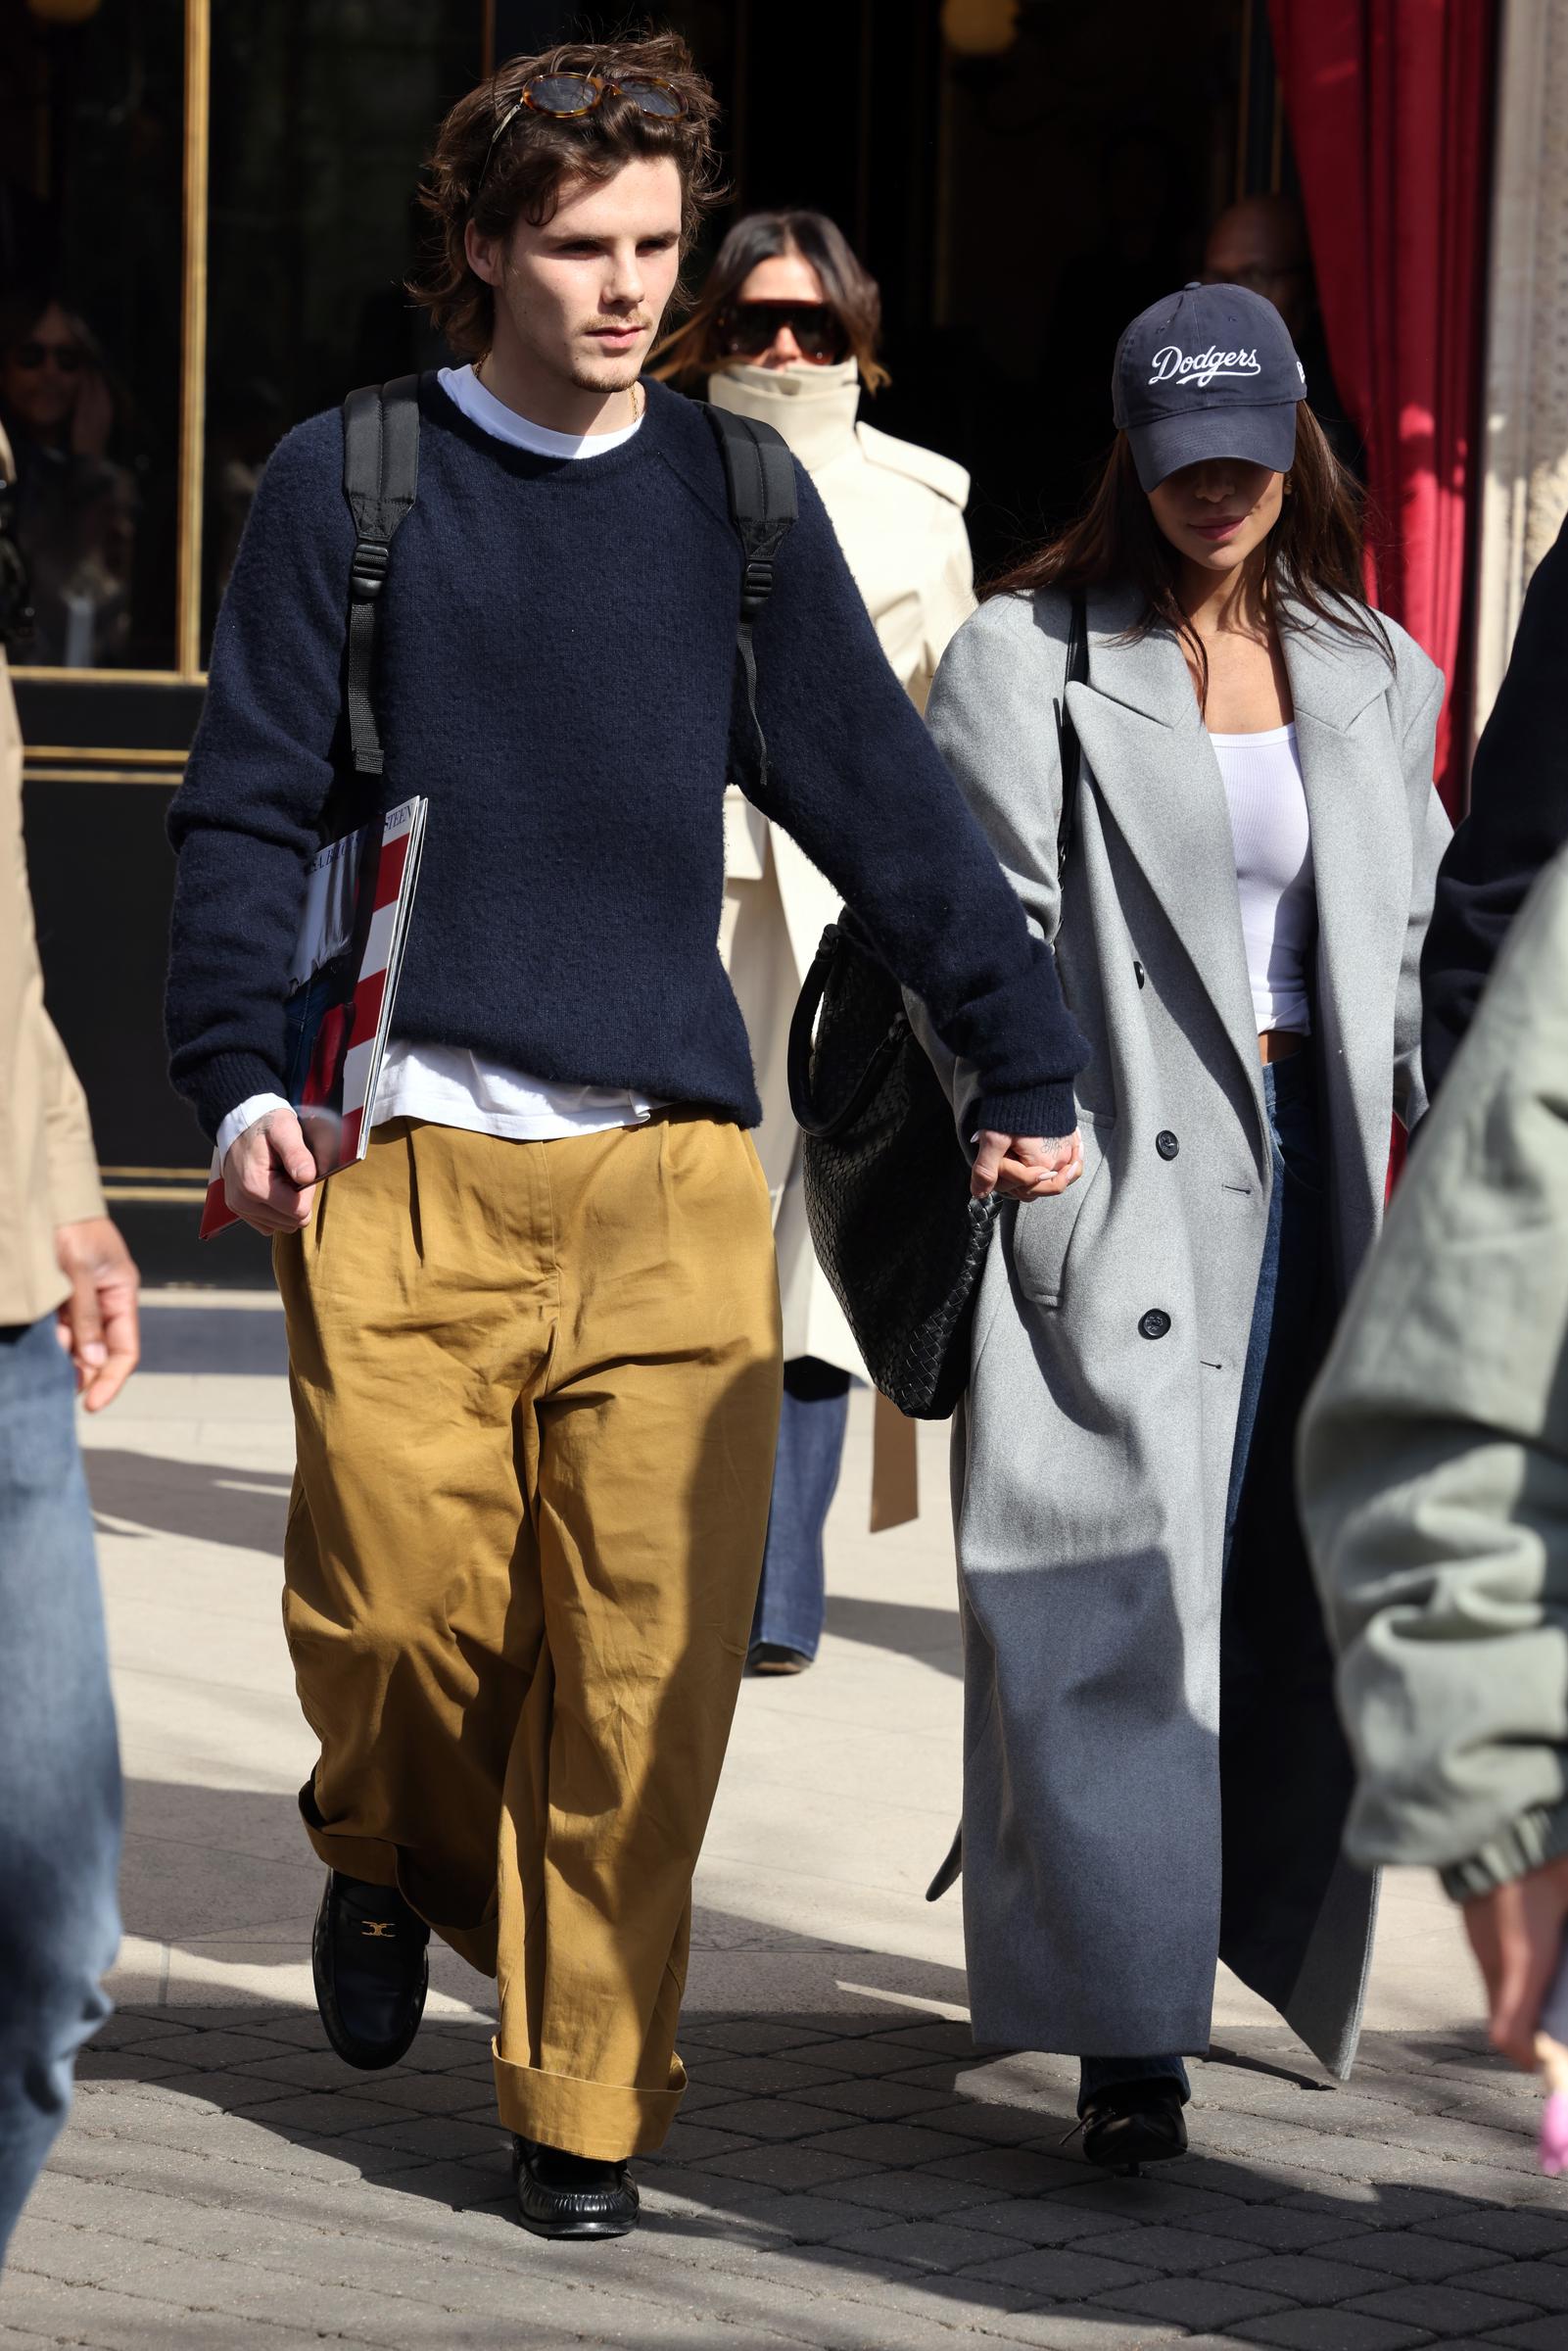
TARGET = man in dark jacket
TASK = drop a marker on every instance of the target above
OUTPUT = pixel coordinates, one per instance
(1517, 823)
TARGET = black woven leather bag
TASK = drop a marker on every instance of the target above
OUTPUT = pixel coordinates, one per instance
(886, 1184)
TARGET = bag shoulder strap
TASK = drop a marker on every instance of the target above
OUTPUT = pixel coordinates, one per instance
(759, 477)
(380, 481)
(1077, 672)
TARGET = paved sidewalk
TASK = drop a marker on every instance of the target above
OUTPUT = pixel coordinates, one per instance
(847, 2174)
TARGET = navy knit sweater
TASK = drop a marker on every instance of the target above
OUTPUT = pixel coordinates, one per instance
(556, 674)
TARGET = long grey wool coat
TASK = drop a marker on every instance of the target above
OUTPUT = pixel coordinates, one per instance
(1104, 1816)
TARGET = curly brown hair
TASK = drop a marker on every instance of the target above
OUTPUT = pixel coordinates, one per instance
(495, 182)
(696, 349)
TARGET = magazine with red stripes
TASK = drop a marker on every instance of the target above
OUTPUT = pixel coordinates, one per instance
(341, 986)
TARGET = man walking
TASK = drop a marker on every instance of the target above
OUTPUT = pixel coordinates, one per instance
(67, 1325)
(534, 1335)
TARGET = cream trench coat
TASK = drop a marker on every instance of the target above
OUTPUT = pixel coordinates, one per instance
(48, 1171)
(899, 512)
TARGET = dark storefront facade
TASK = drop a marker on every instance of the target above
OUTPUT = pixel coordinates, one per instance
(205, 215)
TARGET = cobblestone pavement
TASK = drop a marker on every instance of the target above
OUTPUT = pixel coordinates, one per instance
(838, 2179)
(847, 2174)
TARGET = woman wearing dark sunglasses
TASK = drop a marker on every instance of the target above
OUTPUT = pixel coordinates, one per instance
(787, 331)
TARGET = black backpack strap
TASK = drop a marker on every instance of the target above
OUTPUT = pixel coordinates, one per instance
(380, 480)
(759, 475)
(1077, 672)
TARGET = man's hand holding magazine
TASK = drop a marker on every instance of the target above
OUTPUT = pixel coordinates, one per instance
(342, 987)
(269, 1175)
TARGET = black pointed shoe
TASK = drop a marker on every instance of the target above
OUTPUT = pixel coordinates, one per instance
(1129, 2124)
(372, 1961)
(562, 2196)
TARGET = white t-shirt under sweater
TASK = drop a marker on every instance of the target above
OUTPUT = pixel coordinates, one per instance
(447, 1085)
(1273, 836)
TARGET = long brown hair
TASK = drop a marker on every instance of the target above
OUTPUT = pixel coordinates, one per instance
(496, 181)
(1313, 551)
(696, 348)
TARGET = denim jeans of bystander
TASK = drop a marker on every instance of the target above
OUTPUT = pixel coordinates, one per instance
(60, 1791)
(792, 1596)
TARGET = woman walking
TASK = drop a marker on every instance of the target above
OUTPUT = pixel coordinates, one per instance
(1154, 1777)
(787, 332)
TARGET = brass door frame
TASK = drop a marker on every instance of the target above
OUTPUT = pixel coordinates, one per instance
(192, 475)
(193, 339)
(188, 670)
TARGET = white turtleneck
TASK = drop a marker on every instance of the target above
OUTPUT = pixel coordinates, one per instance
(897, 510)
(813, 407)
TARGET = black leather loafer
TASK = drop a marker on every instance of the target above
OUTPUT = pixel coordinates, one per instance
(562, 2196)
(1133, 2123)
(371, 1962)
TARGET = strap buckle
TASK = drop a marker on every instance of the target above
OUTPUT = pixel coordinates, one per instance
(756, 585)
(372, 558)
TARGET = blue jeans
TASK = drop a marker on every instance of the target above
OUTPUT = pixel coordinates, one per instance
(1282, 1354)
(1288, 1309)
(791, 1598)
(60, 1798)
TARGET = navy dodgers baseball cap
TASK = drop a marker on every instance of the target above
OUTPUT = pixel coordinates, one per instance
(1208, 373)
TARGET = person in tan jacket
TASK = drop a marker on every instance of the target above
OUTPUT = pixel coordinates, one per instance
(787, 332)
(68, 1326)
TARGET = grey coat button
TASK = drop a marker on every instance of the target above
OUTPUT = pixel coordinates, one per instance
(1167, 1144)
(1154, 1324)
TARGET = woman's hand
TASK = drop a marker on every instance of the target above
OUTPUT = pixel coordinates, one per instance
(1023, 1167)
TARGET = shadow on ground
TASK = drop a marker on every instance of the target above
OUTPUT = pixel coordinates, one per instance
(930, 1635)
(841, 2138)
(146, 1493)
(215, 1340)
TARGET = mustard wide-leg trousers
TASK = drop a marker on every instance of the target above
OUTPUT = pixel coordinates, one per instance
(536, 1393)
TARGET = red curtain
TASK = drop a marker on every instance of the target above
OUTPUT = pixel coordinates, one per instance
(1390, 108)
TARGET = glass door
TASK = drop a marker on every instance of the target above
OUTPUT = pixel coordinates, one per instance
(93, 128)
(206, 216)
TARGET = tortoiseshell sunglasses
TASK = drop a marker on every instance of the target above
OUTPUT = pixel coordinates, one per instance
(566, 97)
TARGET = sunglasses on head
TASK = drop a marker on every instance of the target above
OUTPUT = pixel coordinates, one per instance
(566, 97)
(747, 329)
(69, 358)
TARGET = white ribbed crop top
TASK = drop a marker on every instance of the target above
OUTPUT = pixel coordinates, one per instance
(1268, 824)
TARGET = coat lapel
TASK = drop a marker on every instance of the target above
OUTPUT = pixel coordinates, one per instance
(1155, 775)
(1362, 873)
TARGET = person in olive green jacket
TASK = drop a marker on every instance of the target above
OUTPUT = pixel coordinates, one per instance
(68, 1326)
(1434, 1481)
